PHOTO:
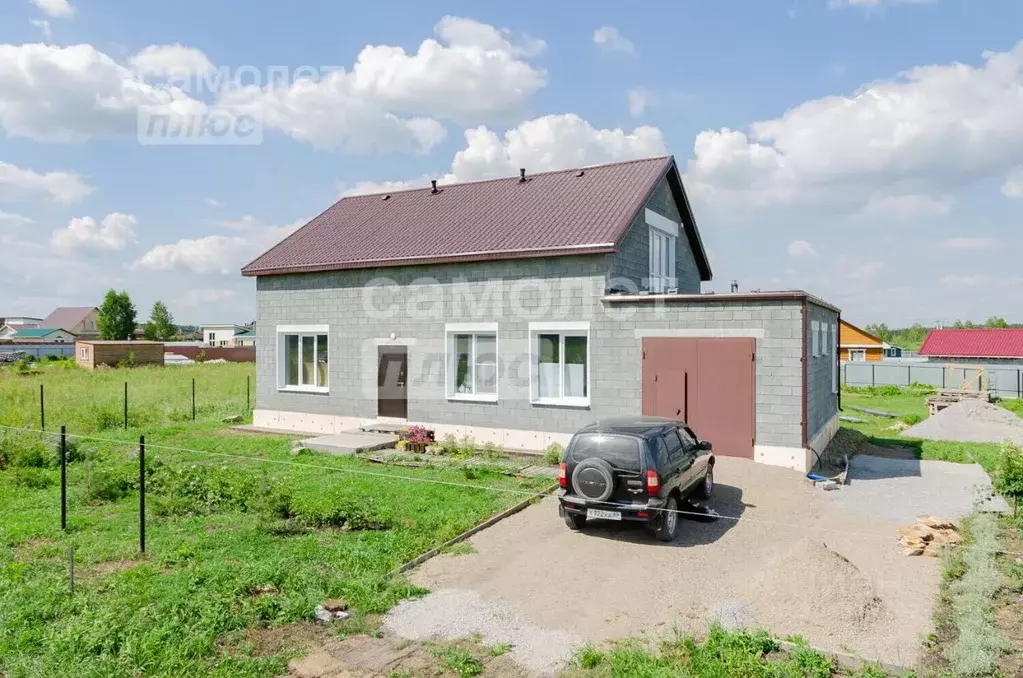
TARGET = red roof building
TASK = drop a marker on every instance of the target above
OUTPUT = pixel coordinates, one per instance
(988, 344)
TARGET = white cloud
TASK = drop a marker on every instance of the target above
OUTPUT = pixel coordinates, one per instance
(971, 244)
(203, 297)
(12, 222)
(923, 133)
(44, 26)
(171, 61)
(639, 99)
(1013, 186)
(907, 207)
(18, 185)
(390, 99)
(216, 254)
(547, 143)
(213, 202)
(953, 280)
(58, 9)
(801, 248)
(114, 233)
(608, 38)
(852, 268)
(370, 187)
(71, 94)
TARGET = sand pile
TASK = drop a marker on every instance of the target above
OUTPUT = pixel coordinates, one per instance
(970, 421)
(820, 588)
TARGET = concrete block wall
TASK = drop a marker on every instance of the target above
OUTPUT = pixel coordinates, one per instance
(821, 400)
(632, 263)
(415, 303)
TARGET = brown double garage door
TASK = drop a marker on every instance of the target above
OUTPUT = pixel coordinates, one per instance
(710, 383)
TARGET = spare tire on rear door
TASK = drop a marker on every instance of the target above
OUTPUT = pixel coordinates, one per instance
(593, 479)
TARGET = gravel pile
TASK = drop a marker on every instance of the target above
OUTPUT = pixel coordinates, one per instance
(455, 614)
(970, 421)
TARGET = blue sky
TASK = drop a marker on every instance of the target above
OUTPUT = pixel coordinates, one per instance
(865, 150)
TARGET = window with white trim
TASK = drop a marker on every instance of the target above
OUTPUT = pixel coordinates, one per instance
(303, 359)
(560, 364)
(833, 352)
(84, 353)
(663, 245)
(815, 337)
(472, 361)
(857, 355)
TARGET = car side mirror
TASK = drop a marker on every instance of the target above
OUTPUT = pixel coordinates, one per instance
(704, 445)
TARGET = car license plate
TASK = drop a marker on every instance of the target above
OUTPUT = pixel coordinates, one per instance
(605, 515)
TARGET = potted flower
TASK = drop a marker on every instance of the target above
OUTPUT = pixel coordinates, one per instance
(417, 438)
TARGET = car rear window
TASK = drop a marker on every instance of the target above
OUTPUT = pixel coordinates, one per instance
(622, 452)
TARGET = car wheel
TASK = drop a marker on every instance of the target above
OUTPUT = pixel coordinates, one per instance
(667, 524)
(574, 521)
(706, 486)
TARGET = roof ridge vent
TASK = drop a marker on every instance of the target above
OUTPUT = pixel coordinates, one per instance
(433, 182)
(580, 173)
(522, 175)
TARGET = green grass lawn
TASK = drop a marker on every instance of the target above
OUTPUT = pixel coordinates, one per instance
(87, 402)
(233, 543)
(911, 406)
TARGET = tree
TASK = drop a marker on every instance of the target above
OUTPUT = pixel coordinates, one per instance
(117, 317)
(996, 322)
(161, 324)
(879, 330)
(1008, 475)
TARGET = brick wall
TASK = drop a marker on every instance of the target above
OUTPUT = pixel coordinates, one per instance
(821, 401)
(632, 263)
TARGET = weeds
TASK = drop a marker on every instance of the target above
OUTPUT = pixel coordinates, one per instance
(460, 662)
(500, 650)
(972, 598)
(554, 453)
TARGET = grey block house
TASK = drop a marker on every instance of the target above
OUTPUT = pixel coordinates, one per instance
(517, 310)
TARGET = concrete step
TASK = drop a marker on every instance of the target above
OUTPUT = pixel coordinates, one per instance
(350, 442)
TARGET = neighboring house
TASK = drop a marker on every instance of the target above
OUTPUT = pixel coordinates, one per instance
(892, 351)
(858, 346)
(220, 335)
(9, 329)
(44, 335)
(245, 338)
(981, 346)
(518, 310)
(81, 321)
(90, 354)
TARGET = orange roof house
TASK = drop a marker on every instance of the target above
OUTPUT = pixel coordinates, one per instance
(856, 345)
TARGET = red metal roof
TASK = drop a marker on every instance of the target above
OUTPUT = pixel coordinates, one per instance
(975, 343)
(576, 211)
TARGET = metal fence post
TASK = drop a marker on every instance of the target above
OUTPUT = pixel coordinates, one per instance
(247, 393)
(125, 406)
(142, 494)
(873, 381)
(42, 409)
(909, 375)
(63, 478)
(193, 398)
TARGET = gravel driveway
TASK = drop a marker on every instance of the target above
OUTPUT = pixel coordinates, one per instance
(794, 563)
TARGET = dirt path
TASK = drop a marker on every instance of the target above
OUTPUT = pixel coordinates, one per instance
(794, 564)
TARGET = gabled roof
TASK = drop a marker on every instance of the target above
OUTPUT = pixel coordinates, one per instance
(36, 332)
(244, 334)
(974, 343)
(67, 317)
(567, 212)
(880, 342)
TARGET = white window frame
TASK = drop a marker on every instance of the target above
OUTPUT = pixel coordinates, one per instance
(857, 351)
(301, 330)
(815, 332)
(833, 354)
(664, 231)
(451, 331)
(565, 329)
(83, 353)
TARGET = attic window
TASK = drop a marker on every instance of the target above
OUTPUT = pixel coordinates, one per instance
(663, 246)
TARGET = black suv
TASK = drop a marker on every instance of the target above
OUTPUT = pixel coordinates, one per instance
(630, 468)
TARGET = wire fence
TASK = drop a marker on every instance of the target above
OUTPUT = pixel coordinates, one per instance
(139, 451)
(123, 399)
